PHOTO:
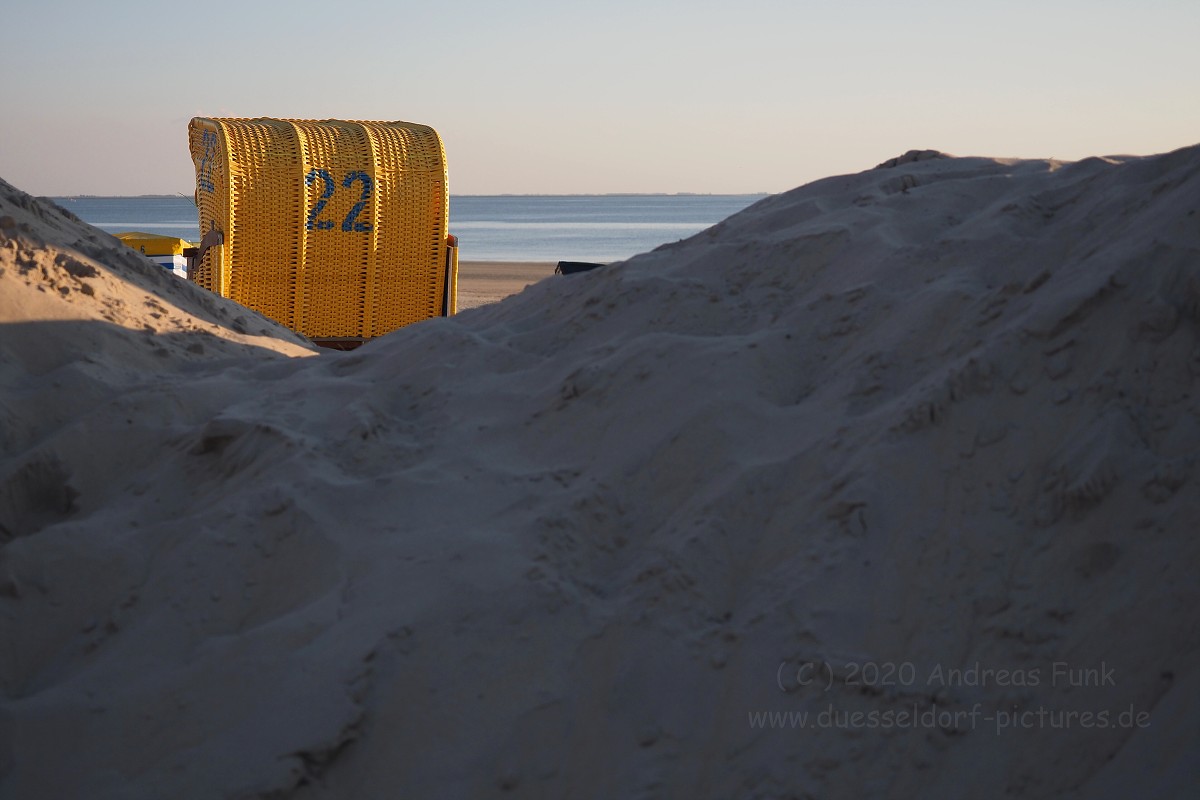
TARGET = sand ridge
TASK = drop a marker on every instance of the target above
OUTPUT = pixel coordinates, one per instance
(938, 414)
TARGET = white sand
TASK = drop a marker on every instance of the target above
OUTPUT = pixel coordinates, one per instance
(939, 417)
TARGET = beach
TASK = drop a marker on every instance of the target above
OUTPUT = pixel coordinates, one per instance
(885, 486)
(482, 282)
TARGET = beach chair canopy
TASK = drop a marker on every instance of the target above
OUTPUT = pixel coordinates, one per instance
(336, 229)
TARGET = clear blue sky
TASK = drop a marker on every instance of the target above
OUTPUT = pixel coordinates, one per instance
(565, 96)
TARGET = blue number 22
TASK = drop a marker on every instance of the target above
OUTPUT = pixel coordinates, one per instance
(350, 223)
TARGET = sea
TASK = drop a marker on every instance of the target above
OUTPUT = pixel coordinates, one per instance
(597, 228)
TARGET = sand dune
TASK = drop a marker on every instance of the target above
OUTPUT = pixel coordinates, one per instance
(916, 444)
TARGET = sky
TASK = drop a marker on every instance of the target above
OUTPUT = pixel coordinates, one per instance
(576, 96)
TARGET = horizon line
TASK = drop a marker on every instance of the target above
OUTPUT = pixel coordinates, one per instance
(163, 195)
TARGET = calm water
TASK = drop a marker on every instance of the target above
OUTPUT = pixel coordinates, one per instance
(489, 228)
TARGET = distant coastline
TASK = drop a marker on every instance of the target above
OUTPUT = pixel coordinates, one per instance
(518, 228)
(619, 194)
(187, 196)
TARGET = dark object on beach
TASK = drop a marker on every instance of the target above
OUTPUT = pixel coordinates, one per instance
(571, 267)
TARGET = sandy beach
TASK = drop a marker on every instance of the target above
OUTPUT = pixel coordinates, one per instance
(883, 487)
(482, 282)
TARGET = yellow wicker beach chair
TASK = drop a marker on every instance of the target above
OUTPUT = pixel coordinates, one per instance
(336, 229)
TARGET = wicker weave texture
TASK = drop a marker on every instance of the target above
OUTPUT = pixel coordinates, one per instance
(333, 228)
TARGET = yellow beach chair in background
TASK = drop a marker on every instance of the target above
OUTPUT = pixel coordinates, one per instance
(170, 252)
(336, 229)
